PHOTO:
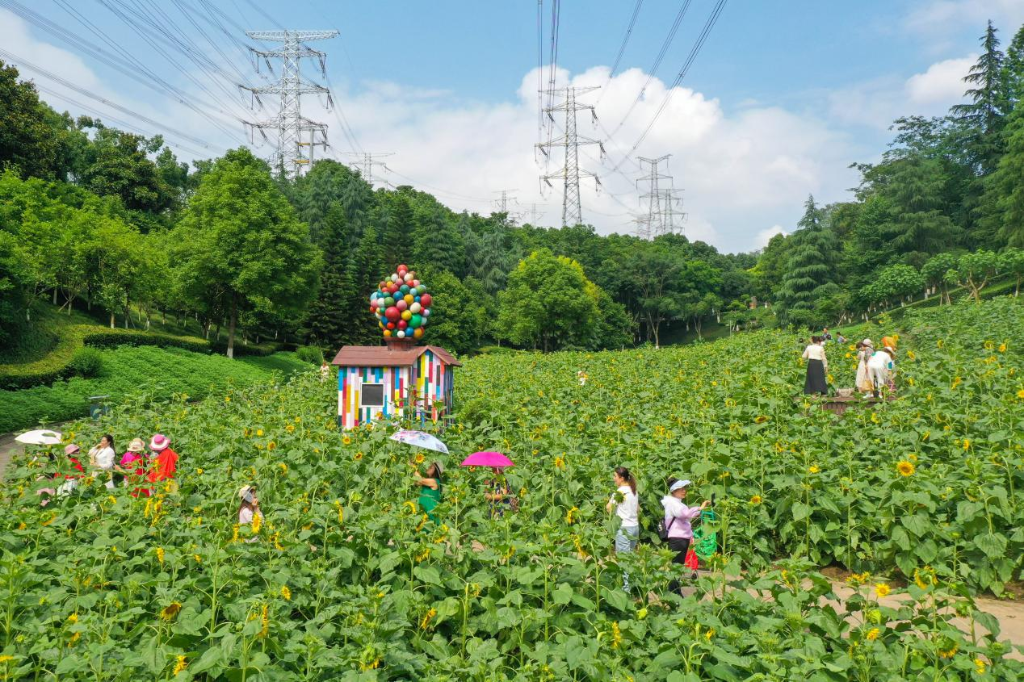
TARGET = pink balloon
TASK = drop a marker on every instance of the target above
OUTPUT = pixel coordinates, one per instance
(401, 304)
(415, 282)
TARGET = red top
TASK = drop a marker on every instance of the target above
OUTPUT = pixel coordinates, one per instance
(164, 466)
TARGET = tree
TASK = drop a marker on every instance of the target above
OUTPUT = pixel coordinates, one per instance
(27, 141)
(895, 282)
(439, 243)
(366, 269)
(1004, 197)
(327, 318)
(119, 166)
(241, 242)
(1011, 261)
(655, 278)
(934, 273)
(811, 265)
(1013, 70)
(974, 270)
(983, 115)
(455, 313)
(547, 304)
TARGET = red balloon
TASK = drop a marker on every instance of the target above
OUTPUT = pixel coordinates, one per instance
(402, 324)
(402, 267)
(393, 288)
(391, 325)
(425, 300)
(392, 313)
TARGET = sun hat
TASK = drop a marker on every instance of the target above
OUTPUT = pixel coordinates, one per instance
(159, 442)
(679, 484)
(72, 449)
(867, 342)
(244, 490)
(440, 467)
(137, 445)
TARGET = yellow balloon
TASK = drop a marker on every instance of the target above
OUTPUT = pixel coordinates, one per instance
(387, 333)
(409, 299)
(406, 315)
(418, 333)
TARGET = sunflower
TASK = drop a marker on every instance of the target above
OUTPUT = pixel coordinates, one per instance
(271, 445)
(756, 499)
(569, 518)
(169, 612)
(925, 577)
(179, 665)
(286, 593)
(257, 522)
(905, 468)
(814, 469)
(760, 419)
(259, 432)
(420, 458)
(427, 617)
(160, 555)
(345, 440)
(290, 428)
(979, 666)
(358, 456)
(283, 467)
(881, 590)
(559, 463)
(1020, 394)
(1002, 347)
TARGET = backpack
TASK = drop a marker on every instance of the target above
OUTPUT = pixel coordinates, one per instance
(663, 529)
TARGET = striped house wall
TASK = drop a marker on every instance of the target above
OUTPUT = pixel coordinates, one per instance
(432, 379)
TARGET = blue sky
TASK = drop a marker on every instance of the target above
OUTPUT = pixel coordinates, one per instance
(782, 98)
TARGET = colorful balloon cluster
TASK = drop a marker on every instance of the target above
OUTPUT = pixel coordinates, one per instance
(402, 305)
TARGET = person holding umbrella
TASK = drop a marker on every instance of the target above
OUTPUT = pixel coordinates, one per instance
(430, 488)
(499, 494)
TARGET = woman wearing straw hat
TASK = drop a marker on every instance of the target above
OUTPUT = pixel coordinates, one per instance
(249, 507)
(133, 466)
(166, 461)
(430, 488)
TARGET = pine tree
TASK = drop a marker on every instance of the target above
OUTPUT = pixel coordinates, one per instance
(810, 268)
(397, 227)
(1013, 70)
(327, 319)
(365, 271)
(983, 116)
(1004, 197)
(439, 244)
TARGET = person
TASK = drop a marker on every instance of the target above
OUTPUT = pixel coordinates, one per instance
(840, 339)
(133, 466)
(325, 371)
(826, 335)
(70, 481)
(500, 495)
(678, 520)
(249, 507)
(865, 349)
(817, 366)
(625, 504)
(430, 488)
(101, 457)
(881, 366)
(889, 342)
(165, 462)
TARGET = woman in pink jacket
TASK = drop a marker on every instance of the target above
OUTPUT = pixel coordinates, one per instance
(677, 520)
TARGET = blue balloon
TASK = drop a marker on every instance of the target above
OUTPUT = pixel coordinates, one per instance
(416, 299)
(404, 288)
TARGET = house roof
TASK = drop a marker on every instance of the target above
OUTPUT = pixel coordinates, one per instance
(387, 356)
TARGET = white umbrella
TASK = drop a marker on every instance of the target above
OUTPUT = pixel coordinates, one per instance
(39, 437)
(418, 439)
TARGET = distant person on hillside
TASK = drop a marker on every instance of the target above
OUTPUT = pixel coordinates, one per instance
(625, 504)
(165, 463)
(678, 519)
(865, 349)
(249, 508)
(133, 465)
(430, 488)
(826, 335)
(840, 339)
(882, 367)
(817, 366)
(101, 457)
(325, 371)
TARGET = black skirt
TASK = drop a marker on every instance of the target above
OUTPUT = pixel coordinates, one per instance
(815, 378)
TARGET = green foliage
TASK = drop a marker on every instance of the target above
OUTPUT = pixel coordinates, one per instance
(137, 374)
(86, 363)
(27, 141)
(311, 354)
(240, 246)
(537, 594)
(974, 270)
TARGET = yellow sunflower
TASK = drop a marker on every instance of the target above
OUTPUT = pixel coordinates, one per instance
(169, 612)
(881, 590)
(905, 468)
(756, 499)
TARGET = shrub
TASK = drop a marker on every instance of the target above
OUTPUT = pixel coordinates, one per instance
(310, 354)
(87, 362)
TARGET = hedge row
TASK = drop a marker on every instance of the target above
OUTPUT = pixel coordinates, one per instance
(56, 364)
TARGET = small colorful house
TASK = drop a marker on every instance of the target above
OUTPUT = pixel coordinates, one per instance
(383, 382)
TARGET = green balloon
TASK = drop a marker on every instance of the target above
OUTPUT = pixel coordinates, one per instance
(389, 301)
(416, 321)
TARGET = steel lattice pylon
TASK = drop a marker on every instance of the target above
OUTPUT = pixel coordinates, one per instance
(291, 156)
(572, 213)
(661, 196)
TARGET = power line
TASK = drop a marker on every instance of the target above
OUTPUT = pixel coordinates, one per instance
(367, 162)
(625, 38)
(13, 58)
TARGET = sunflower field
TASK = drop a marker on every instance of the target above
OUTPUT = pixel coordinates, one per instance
(918, 497)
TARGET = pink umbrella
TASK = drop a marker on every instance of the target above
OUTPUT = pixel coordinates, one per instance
(487, 459)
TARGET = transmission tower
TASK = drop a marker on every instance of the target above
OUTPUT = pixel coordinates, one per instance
(643, 226)
(503, 202)
(535, 215)
(296, 136)
(661, 199)
(572, 213)
(366, 163)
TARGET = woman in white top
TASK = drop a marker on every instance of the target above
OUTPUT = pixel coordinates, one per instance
(817, 366)
(865, 349)
(249, 508)
(102, 457)
(626, 505)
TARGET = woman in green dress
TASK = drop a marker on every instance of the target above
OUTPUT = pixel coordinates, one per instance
(430, 489)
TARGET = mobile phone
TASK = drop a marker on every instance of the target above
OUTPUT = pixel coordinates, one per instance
(247, 497)
(712, 499)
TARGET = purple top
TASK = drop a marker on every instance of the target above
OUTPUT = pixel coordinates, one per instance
(678, 517)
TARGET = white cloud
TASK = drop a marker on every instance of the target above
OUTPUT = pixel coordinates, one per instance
(941, 84)
(878, 102)
(765, 235)
(940, 18)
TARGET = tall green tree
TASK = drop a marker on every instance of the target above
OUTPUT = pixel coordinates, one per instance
(1004, 196)
(328, 317)
(983, 115)
(241, 243)
(811, 266)
(27, 140)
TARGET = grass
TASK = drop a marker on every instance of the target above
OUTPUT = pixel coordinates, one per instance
(130, 371)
